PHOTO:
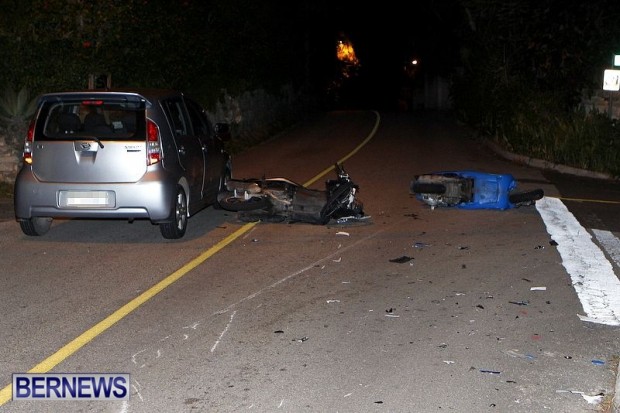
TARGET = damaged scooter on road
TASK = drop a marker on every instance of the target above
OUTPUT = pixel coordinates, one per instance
(472, 190)
(282, 200)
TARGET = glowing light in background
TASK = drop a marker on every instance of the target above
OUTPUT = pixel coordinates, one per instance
(346, 69)
(411, 67)
(345, 53)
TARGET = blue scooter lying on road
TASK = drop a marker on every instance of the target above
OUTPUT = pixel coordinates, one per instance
(471, 190)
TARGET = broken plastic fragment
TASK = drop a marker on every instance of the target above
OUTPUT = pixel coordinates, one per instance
(515, 353)
(593, 399)
(401, 260)
(344, 220)
(538, 289)
(590, 399)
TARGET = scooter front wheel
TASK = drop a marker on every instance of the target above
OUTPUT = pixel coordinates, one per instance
(336, 200)
(229, 202)
(525, 198)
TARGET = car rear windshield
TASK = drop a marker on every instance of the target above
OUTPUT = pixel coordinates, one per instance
(115, 119)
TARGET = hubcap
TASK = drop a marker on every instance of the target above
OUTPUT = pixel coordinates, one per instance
(181, 211)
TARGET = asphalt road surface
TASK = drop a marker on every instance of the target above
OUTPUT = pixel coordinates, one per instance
(411, 310)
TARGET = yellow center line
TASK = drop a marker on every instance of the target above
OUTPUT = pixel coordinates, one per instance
(84, 338)
(599, 201)
(73, 346)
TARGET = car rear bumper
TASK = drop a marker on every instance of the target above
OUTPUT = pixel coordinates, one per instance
(149, 198)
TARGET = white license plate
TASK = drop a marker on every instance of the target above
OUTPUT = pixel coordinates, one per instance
(87, 199)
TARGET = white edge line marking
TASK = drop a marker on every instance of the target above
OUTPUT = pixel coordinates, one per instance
(610, 243)
(592, 275)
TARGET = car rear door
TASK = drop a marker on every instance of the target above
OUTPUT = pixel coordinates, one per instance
(211, 148)
(189, 147)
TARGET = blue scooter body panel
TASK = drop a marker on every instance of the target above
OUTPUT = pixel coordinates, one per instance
(490, 191)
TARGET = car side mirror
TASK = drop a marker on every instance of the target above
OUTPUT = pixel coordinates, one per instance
(222, 131)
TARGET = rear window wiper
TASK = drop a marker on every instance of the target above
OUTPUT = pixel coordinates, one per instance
(96, 139)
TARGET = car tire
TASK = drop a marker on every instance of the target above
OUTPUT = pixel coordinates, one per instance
(36, 226)
(177, 227)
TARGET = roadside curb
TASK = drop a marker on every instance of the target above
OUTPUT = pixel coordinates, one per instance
(541, 164)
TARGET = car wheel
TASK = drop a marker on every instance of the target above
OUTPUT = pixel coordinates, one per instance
(176, 228)
(36, 226)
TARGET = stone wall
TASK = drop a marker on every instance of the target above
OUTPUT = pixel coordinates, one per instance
(9, 162)
(257, 114)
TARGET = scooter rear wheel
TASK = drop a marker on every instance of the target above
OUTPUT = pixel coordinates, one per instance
(426, 188)
(230, 202)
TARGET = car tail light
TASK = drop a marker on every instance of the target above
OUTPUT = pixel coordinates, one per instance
(27, 154)
(153, 148)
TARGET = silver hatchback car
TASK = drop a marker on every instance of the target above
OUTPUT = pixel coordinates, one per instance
(127, 154)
